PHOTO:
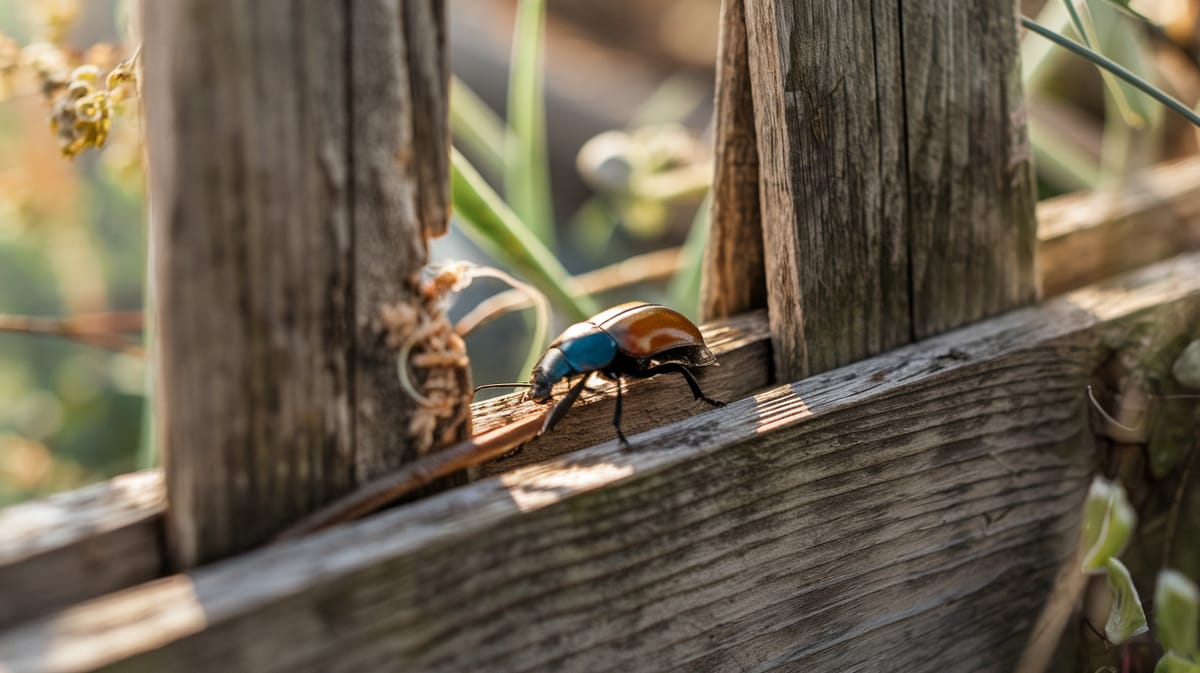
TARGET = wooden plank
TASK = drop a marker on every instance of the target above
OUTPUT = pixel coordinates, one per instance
(972, 231)
(733, 279)
(830, 121)
(1089, 236)
(287, 211)
(81, 544)
(913, 507)
(896, 184)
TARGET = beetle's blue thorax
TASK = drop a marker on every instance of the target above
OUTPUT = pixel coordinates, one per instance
(582, 348)
(586, 347)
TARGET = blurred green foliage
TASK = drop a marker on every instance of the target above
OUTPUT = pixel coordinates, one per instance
(71, 242)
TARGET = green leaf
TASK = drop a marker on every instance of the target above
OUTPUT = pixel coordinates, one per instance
(1177, 613)
(684, 289)
(1087, 31)
(1126, 619)
(1060, 162)
(1113, 67)
(527, 176)
(1123, 5)
(493, 226)
(1173, 663)
(1108, 523)
(477, 128)
(1039, 58)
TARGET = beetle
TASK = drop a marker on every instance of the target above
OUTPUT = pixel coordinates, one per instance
(636, 339)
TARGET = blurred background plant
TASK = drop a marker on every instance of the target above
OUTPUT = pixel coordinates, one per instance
(71, 243)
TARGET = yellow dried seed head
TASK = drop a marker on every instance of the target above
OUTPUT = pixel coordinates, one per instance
(86, 72)
(122, 81)
(92, 108)
(78, 89)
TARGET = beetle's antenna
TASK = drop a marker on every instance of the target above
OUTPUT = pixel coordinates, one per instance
(503, 385)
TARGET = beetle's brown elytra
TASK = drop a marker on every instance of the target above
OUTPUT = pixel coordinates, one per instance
(636, 339)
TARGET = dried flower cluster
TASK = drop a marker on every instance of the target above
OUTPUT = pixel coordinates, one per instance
(82, 114)
(436, 356)
(82, 102)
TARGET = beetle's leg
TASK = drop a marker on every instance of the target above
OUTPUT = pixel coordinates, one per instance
(687, 374)
(617, 417)
(563, 406)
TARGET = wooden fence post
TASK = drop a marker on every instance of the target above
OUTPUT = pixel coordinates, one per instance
(733, 280)
(299, 154)
(896, 187)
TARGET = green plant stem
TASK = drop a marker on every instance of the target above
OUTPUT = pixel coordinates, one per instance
(493, 226)
(1087, 31)
(1113, 67)
(526, 176)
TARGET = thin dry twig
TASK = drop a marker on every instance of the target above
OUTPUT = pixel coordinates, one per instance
(638, 269)
(383, 491)
(104, 330)
(1107, 417)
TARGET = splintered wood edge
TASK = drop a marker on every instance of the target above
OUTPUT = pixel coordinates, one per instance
(222, 599)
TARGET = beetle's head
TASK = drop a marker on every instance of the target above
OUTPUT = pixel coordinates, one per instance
(549, 370)
(540, 385)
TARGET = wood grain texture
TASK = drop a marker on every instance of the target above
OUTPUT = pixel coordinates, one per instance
(424, 25)
(733, 279)
(972, 231)
(911, 508)
(896, 183)
(829, 108)
(78, 545)
(1089, 236)
(285, 212)
(390, 169)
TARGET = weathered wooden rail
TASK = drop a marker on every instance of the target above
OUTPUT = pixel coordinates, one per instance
(851, 516)
(878, 490)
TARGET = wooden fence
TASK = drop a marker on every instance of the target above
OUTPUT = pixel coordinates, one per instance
(895, 484)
